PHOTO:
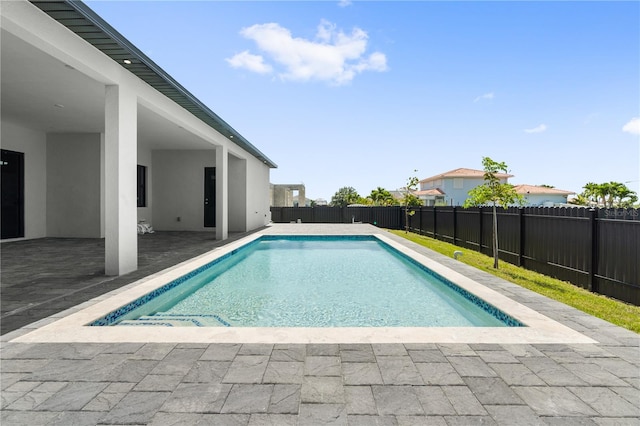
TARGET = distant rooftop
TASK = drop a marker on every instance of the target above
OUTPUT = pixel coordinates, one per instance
(534, 189)
(435, 191)
(463, 173)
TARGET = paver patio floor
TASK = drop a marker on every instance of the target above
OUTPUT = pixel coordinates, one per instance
(142, 383)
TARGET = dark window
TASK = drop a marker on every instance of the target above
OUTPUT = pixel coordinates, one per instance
(142, 186)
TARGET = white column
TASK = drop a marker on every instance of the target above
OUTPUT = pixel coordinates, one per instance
(222, 193)
(121, 237)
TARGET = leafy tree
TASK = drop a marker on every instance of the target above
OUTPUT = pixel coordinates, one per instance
(580, 200)
(410, 199)
(493, 192)
(345, 196)
(381, 197)
(625, 197)
(365, 201)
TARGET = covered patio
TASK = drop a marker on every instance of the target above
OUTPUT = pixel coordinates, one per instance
(96, 137)
(44, 276)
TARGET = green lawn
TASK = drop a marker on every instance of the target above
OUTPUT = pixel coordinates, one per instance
(619, 313)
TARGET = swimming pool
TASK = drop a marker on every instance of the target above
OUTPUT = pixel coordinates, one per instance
(72, 325)
(311, 281)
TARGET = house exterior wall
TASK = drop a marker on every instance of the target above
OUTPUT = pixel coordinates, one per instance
(33, 144)
(73, 185)
(178, 189)
(258, 206)
(144, 159)
(237, 194)
(457, 196)
(541, 199)
(456, 189)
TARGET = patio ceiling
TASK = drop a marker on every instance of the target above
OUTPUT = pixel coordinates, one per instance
(51, 96)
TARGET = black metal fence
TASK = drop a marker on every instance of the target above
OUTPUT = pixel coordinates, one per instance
(598, 250)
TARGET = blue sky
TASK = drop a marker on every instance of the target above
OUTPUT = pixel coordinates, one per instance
(362, 93)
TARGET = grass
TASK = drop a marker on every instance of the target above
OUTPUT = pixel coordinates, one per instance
(614, 311)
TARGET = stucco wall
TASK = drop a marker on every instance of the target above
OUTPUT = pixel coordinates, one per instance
(33, 144)
(540, 199)
(73, 185)
(258, 211)
(237, 194)
(144, 159)
(178, 189)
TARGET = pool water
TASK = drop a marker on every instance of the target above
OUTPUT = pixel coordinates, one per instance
(315, 282)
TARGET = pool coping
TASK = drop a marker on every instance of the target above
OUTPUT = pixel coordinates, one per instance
(73, 328)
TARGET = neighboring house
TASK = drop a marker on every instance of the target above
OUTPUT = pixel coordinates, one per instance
(96, 137)
(287, 195)
(452, 188)
(542, 195)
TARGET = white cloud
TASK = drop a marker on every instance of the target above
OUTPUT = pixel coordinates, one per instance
(344, 3)
(538, 129)
(633, 126)
(333, 56)
(249, 61)
(488, 96)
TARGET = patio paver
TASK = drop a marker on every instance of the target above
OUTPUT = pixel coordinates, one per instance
(312, 384)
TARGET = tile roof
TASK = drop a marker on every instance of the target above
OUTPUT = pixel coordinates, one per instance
(435, 191)
(534, 189)
(462, 173)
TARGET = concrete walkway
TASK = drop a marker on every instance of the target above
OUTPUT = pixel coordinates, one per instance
(312, 384)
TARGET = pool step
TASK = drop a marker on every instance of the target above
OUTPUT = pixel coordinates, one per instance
(177, 320)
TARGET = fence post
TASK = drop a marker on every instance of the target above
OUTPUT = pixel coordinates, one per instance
(520, 235)
(480, 228)
(420, 221)
(454, 226)
(434, 222)
(593, 222)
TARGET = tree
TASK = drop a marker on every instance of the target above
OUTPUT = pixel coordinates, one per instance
(381, 197)
(493, 192)
(410, 199)
(580, 200)
(607, 195)
(345, 196)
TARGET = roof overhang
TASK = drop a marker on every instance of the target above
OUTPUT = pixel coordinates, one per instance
(84, 22)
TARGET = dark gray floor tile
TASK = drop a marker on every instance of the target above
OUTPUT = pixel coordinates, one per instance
(273, 420)
(553, 401)
(285, 399)
(284, 372)
(322, 414)
(606, 402)
(221, 352)
(492, 391)
(135, 408)
(397, 401)
(322, 366)
(72, 397)
(322, 390)
(399, 370)
(248, 399)
(197, 398)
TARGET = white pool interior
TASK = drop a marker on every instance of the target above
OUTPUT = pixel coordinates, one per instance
(311, 281)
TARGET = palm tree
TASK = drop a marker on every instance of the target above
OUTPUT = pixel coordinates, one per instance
(381, 197)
